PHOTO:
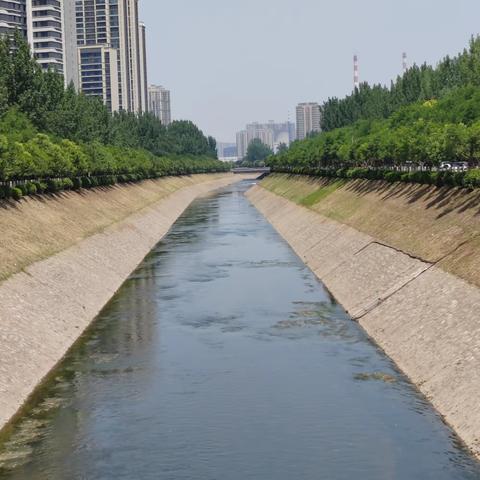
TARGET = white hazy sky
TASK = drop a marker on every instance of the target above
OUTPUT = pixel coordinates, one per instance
(230, 62)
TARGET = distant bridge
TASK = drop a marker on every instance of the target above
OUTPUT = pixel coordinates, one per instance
(264, 170)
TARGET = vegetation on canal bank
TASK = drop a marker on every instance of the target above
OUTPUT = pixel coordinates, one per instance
(427, 117)
(52, 138)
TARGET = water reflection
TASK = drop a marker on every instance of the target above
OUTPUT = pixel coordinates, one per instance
(223, 358)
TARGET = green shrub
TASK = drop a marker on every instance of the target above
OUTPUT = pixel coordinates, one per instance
(16, 193)
(86, 182)
(448, 179)
(472, 178)
(391, 176)
(66, 184)
(23, 188)
(40, 186)
(433, 178)
(5, 192)
(357, 172)
(420, 177)
(54, 185)
(31, 188)
(77, 183)
(374, 174)
(458, 179)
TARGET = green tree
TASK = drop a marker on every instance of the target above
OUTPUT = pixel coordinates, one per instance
(257, 152)
(282, 148)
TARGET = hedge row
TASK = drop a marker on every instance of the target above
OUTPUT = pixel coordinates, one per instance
(49, 186)
(469, 179)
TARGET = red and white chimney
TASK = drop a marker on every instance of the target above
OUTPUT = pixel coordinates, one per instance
(356, 73)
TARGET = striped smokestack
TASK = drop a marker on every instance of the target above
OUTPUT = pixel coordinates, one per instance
(404, 62)
(356, 73)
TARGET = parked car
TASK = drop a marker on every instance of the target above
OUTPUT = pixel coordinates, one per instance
(454, 166)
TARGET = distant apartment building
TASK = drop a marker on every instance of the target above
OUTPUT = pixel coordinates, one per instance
(159, 103)
(13, 16)
(105, 26)
(242, 144)
(271, 134)
(308, 119)
(261, 132)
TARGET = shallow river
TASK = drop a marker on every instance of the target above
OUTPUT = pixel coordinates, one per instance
(223, 358)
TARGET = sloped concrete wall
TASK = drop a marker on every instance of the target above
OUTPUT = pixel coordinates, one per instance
(45, 308)
(425, 319)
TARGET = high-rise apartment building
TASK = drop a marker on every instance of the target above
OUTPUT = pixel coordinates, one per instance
(113, 25)
(159, 103)
(99, 45)
(97, 53)
(99, 74)
(70, 51)
(143, 68)
(130, 8)
(308, 119)
(45, 33)
(49, 27)
(13, 16)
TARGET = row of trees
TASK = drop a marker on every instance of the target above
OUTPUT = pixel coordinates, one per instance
(26, 154)
(424, 133)
(66, 114)
(419, 83)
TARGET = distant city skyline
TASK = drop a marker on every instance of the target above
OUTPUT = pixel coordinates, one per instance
(222, 80)
(270, 133)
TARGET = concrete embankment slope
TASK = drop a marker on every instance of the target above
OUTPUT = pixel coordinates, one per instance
(424, 317)
(100, 237)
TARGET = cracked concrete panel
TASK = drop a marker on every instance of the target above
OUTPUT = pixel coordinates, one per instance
(338, 247)
(374, 273)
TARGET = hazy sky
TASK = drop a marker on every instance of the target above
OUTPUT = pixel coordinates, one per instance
(230, 62)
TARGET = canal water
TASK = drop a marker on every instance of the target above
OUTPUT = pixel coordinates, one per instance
(223, 358)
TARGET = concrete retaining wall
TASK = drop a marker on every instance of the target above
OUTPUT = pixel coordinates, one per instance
(425, 319)
(45, 308)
